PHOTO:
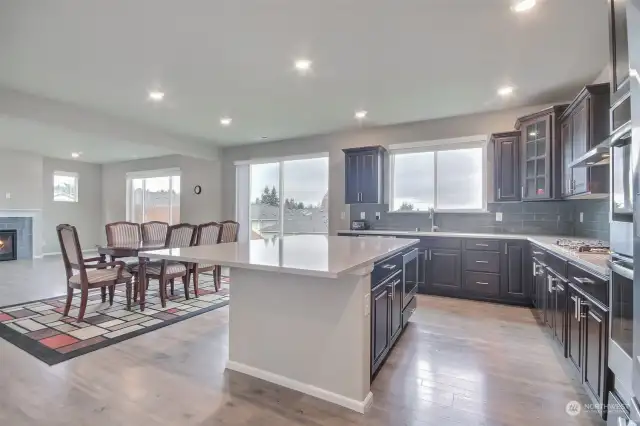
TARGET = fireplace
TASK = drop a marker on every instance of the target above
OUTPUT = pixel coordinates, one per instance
(8, 244)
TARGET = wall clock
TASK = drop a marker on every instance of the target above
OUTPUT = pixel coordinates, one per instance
(197, 189)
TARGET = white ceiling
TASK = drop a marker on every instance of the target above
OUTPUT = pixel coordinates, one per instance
(400, 60)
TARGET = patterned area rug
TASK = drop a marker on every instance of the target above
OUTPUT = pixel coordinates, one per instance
(40, 329)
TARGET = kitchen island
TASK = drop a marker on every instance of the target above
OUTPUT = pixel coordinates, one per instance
(300, 310)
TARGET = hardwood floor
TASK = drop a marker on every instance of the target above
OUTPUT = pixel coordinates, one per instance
(459, 363)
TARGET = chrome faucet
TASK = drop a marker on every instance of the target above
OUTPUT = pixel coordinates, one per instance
(432, 216)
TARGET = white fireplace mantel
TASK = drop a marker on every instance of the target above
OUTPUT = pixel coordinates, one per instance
(36, 223)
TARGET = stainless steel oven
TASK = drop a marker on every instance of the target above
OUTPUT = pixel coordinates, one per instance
(410, 275)
(621, 324)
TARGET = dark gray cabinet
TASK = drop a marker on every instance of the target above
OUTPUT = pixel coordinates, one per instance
(574, 332)
(595, 326)
(506, 148)
(583, 125)
(364, 175)
(443, 269)
(380, 336)
(514, 271)
(396, 305)
(540, 157)
(619, 50)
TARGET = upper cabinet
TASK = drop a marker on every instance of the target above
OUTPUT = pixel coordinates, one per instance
(583, 125)
(540, 157)
(619, 50)
(506, 148)
(364, 175)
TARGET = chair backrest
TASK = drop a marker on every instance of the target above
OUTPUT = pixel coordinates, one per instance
(122, 233)
(208, 234)
(181, 235)
(154, 231)
(229, 231)
(70, 247)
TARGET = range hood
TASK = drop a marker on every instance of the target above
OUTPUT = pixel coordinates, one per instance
(599, 155)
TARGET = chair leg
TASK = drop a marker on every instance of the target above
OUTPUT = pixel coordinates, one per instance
(112, 290)
(136, 283)
(163, 292)
(84, 296)
(217, 274)
(67, 306)
(172, 284)
(103, 291)
(195, 281)
(128, 284)
(185, 282)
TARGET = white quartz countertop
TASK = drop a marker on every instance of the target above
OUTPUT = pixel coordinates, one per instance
(311, 255)
(596, 263)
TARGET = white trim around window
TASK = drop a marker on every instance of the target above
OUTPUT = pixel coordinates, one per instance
(436, 146)
(72, 197)
(279, 159)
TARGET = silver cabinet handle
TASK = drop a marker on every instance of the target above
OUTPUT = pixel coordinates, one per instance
(586, 281)
(499, 192)
(535, 270)
(522, 191)
(538, 253)
(505, 249)
(429, 254)
(575, 306)
(481, 283)
(579, 308)
(482, 245)
(550, 281)
(389, 266)
(482, 261)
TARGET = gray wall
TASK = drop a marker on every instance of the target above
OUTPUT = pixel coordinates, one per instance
(193, 208)
(85, 215)
(21, 176)
(469, 125)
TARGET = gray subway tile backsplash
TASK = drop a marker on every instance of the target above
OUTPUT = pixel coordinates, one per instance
(545, 218)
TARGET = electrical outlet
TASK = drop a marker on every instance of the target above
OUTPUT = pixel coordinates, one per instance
(343, 215)
(498, 216)
(367, 304)
(377, 215)
(7, 195)
(581, 217)
(363, 215)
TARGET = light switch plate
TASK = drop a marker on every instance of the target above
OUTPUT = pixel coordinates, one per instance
(7, 195)
(581, 217)
(377, 215)
(498, 216)
(343, 215)
(363, 215)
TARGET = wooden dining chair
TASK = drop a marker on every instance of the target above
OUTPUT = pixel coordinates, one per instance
(154, 231)
(89, 276)
(229, 234)
(181, 235)
(207, 234)
(123, 233)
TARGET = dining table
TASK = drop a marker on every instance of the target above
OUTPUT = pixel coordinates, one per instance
(133, 249)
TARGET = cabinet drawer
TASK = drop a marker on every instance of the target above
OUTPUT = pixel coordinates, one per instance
(488, 245)
(479, 282)
(482, 261)
(558, 264)
(589, 283)
(539, 253)
(386, 268)
(442, 242)
(408, 311)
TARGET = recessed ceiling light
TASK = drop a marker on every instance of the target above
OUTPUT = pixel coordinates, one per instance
(505, 91)
(303, 65)
(225, 121)
(156, 95)
(75, 154)
(361, 114)
(523, 5)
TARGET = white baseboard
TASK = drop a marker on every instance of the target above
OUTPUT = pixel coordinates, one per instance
(352, 404)
(58, 253)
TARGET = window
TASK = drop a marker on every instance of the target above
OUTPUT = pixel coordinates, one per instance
(154, 195)
(284, 196)
(65, 187)
(444, 176)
